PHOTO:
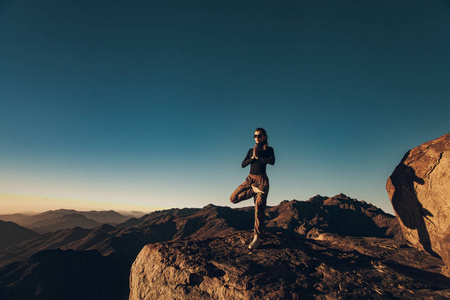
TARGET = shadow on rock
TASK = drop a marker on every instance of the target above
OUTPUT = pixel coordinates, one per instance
(406, 205)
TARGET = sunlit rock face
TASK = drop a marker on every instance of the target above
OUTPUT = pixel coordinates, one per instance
(419, 189)
(286, 266)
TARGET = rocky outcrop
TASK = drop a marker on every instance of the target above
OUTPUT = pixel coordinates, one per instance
(286, 267)
(339, 214)
(419, 189)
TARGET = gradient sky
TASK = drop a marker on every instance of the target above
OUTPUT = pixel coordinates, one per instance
(152, 104)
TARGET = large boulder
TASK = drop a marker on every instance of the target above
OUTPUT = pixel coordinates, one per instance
(419, 189)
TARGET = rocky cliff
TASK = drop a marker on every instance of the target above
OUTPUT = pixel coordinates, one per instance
(286, 267)
(323, 248)
(419, 189)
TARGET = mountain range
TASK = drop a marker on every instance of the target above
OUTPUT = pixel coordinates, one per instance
(54, 220)
(77, 257)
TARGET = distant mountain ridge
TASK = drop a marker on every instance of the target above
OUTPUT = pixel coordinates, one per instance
(120, 244)
(54, 220)
(61, 222)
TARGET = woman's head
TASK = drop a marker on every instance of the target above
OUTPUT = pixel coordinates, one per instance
(260, 136)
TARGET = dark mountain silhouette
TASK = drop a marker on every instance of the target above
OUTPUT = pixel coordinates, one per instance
(58, 274)
(119, 245)
(11, 233)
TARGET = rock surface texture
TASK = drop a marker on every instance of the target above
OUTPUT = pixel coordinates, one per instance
(330, 266)
(419, 189)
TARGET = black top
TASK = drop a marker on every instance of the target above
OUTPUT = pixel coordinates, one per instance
(258, 166)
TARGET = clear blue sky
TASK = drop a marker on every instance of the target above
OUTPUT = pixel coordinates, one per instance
(153, 104)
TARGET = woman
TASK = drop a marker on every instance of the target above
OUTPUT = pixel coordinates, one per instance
(256, 184)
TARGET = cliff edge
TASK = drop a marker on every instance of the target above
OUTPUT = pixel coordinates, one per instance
(286, 267)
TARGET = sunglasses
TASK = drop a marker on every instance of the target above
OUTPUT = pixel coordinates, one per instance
(257, 136)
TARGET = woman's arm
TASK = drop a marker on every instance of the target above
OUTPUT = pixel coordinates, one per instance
(248, 159)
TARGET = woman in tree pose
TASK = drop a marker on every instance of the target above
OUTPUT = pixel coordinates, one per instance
(257, 183)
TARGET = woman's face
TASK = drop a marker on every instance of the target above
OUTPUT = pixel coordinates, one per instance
(259, 137)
